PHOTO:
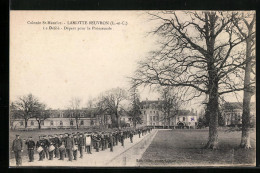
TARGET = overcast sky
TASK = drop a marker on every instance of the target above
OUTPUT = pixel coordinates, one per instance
(57, 65)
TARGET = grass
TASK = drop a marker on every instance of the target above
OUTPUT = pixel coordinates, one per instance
(185, 148)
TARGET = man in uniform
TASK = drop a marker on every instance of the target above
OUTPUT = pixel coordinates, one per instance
(122, 138)
(110, 141)
(46, 146)
(56, 145)
(30, 146)
(139, 133)
(69, 143)
(65, 138)
(76, 143)
(17, 148)
(40, 143)
(82, 144)
(61, 147)
(131, 135)
(88, 142)
(51, 143)
(102, 136)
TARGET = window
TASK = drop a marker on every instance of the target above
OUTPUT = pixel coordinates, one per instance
(61, 123)
(21, 123)
(92, 122)
(154, 112)
(82, 122)
(42, 123)
(71, 122)
(32, 123)
(150, 112)
(144, 112)
(183, 118)
(151, 118)
(51, 123)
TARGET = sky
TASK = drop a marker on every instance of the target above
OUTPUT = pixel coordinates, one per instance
(56, 65)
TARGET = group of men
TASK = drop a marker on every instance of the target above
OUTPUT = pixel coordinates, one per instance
(69, 145)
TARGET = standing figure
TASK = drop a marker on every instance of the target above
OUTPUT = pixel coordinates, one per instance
(82, 144)
(65, 138)
(69, 143)
(131, 135)
(75, 147)
(30, 146)
(88, 143)
(56, 145)
(61, 147)
(46, 147)
(122, 138)
(40, 150)
(110, 141)
(139, 132)
(17, 148)
(51, 147)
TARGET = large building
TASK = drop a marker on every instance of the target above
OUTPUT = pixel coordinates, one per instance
(232, 113)
(154, 116)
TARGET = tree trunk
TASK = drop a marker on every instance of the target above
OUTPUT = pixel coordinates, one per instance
(39, 124)
(213, 105)
(25, 123)
(213, 122)
(245, 138)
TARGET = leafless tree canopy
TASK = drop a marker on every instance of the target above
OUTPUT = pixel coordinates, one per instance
(199, 51)
(110, 101)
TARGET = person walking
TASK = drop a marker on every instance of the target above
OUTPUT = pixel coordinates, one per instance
(69, 143)
(17, 148)
(82, 144)
(61, 147)
(75, 147)
(56, 145)
(30, 146)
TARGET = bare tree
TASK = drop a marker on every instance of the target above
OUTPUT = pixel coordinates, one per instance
(200, 53)
(41, 114)
(25, 107)
(171, 103)
(135, 109)
(111, 101)
(246, 31)
(74, 109)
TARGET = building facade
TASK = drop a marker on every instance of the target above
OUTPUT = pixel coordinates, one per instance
(153, 115)
(58, 119)
(232, 113)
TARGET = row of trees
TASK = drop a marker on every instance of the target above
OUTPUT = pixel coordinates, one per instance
(205, 53)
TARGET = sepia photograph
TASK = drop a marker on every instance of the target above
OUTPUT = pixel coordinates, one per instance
(147, 88)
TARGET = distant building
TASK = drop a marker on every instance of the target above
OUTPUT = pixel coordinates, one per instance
(154, 116)
(232, 113)
(57, 119)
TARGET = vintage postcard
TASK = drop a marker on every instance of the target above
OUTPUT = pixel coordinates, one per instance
(132, 88)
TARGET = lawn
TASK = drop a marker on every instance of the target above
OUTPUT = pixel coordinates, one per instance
(184, 147)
